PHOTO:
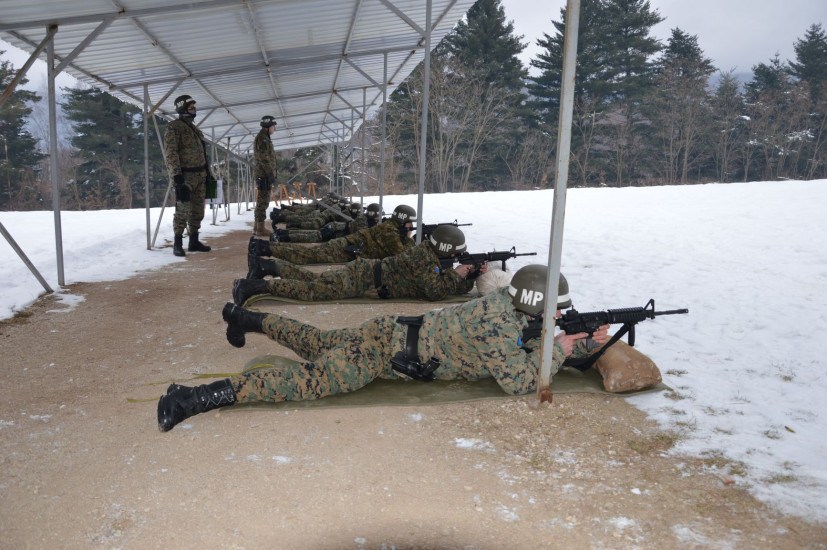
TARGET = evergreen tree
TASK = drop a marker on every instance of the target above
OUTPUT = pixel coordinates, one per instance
(810, 65)
(485, 43)
(614, 72)
(19, 155)
(108, 139)
(729, 129)
(678, 108)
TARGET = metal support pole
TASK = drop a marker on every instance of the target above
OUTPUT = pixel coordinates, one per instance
(423, 141)
(384, 130)
(146, 165)
(25, 258)
(364, 168)
(559, 208)
(50, 77)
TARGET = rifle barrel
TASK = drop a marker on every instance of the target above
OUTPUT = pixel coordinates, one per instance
(672, 312)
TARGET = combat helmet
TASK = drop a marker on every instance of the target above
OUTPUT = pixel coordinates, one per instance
(355, 209)
(267, 121)
(374, 210)
(182, 103)
(528, 288)
(403, 214)
(448, 240)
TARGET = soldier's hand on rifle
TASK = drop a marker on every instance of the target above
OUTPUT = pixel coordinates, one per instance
(601, 335)
(567, 341)
(463, 270)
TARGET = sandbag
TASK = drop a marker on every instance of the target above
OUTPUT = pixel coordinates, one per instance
(624, 368)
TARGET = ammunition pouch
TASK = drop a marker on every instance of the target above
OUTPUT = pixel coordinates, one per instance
(355, 249)
(407, 362)
(382, 290)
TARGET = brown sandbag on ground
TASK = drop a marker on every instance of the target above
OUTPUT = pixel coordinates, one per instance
(624, 369)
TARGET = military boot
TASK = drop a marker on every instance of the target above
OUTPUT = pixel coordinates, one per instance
(258, 268)
(197, 246)
(241, 321)
(280, 236)
(258, 247)
(178, 246)
(243, 289)
(182, 402)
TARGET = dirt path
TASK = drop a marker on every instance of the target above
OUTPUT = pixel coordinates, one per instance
(85, 467)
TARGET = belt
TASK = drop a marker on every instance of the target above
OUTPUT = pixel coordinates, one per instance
(195, 169)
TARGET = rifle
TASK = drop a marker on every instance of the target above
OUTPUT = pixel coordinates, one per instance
(428, 228)
(478, 259)
(573, 322)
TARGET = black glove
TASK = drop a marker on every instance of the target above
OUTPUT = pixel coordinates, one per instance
(182, 192)
(178, 179)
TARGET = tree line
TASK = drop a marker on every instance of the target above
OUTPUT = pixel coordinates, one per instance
(645, 113)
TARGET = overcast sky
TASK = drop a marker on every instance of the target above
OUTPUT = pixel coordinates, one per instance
(735, 34)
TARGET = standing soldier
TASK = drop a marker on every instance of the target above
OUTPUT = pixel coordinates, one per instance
(186, 157)
(264, 158)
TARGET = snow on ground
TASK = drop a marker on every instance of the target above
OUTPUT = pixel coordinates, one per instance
(749, 260)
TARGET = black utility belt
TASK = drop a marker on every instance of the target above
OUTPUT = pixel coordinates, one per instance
(407, 362)
(195, 169)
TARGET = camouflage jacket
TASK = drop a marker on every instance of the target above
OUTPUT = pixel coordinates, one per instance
(265, 164)
(381, 240)
(184, 147)
(416, 273)
(482, 338)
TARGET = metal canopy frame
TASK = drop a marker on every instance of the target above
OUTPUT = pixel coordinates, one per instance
(318, 66)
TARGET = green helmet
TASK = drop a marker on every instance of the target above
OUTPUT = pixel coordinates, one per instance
(528, 288)
(355, 209)
(403, 214)
(447, 240)
(374, 210)
(563, 298)
(182, 103)
(267, 121)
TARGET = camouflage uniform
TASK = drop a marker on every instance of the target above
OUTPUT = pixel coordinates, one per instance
(264, 168)
(380, 241)
(341, 229)
(185, 152)
(415, 273)
(479, 339)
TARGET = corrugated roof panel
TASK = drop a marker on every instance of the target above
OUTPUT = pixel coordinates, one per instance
(307, 62)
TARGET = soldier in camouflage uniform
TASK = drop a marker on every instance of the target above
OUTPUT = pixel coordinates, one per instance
(383, 240)
(330, 230)
(418, 272)
(265, 169)
(185, 153)
(482, 338)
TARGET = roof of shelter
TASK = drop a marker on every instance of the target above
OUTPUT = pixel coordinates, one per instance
(313, 64)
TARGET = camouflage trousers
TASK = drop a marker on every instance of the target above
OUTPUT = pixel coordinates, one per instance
(262, 203)
(335, 361)
(299, 221)
(331, 252)
(351, 281)
(188, 215)
(315, 236)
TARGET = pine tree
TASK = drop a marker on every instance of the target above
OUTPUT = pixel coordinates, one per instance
(614, 72)
(19, 154)
(678, 108)
(729, 128)
(108, 138)
(810, 65)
